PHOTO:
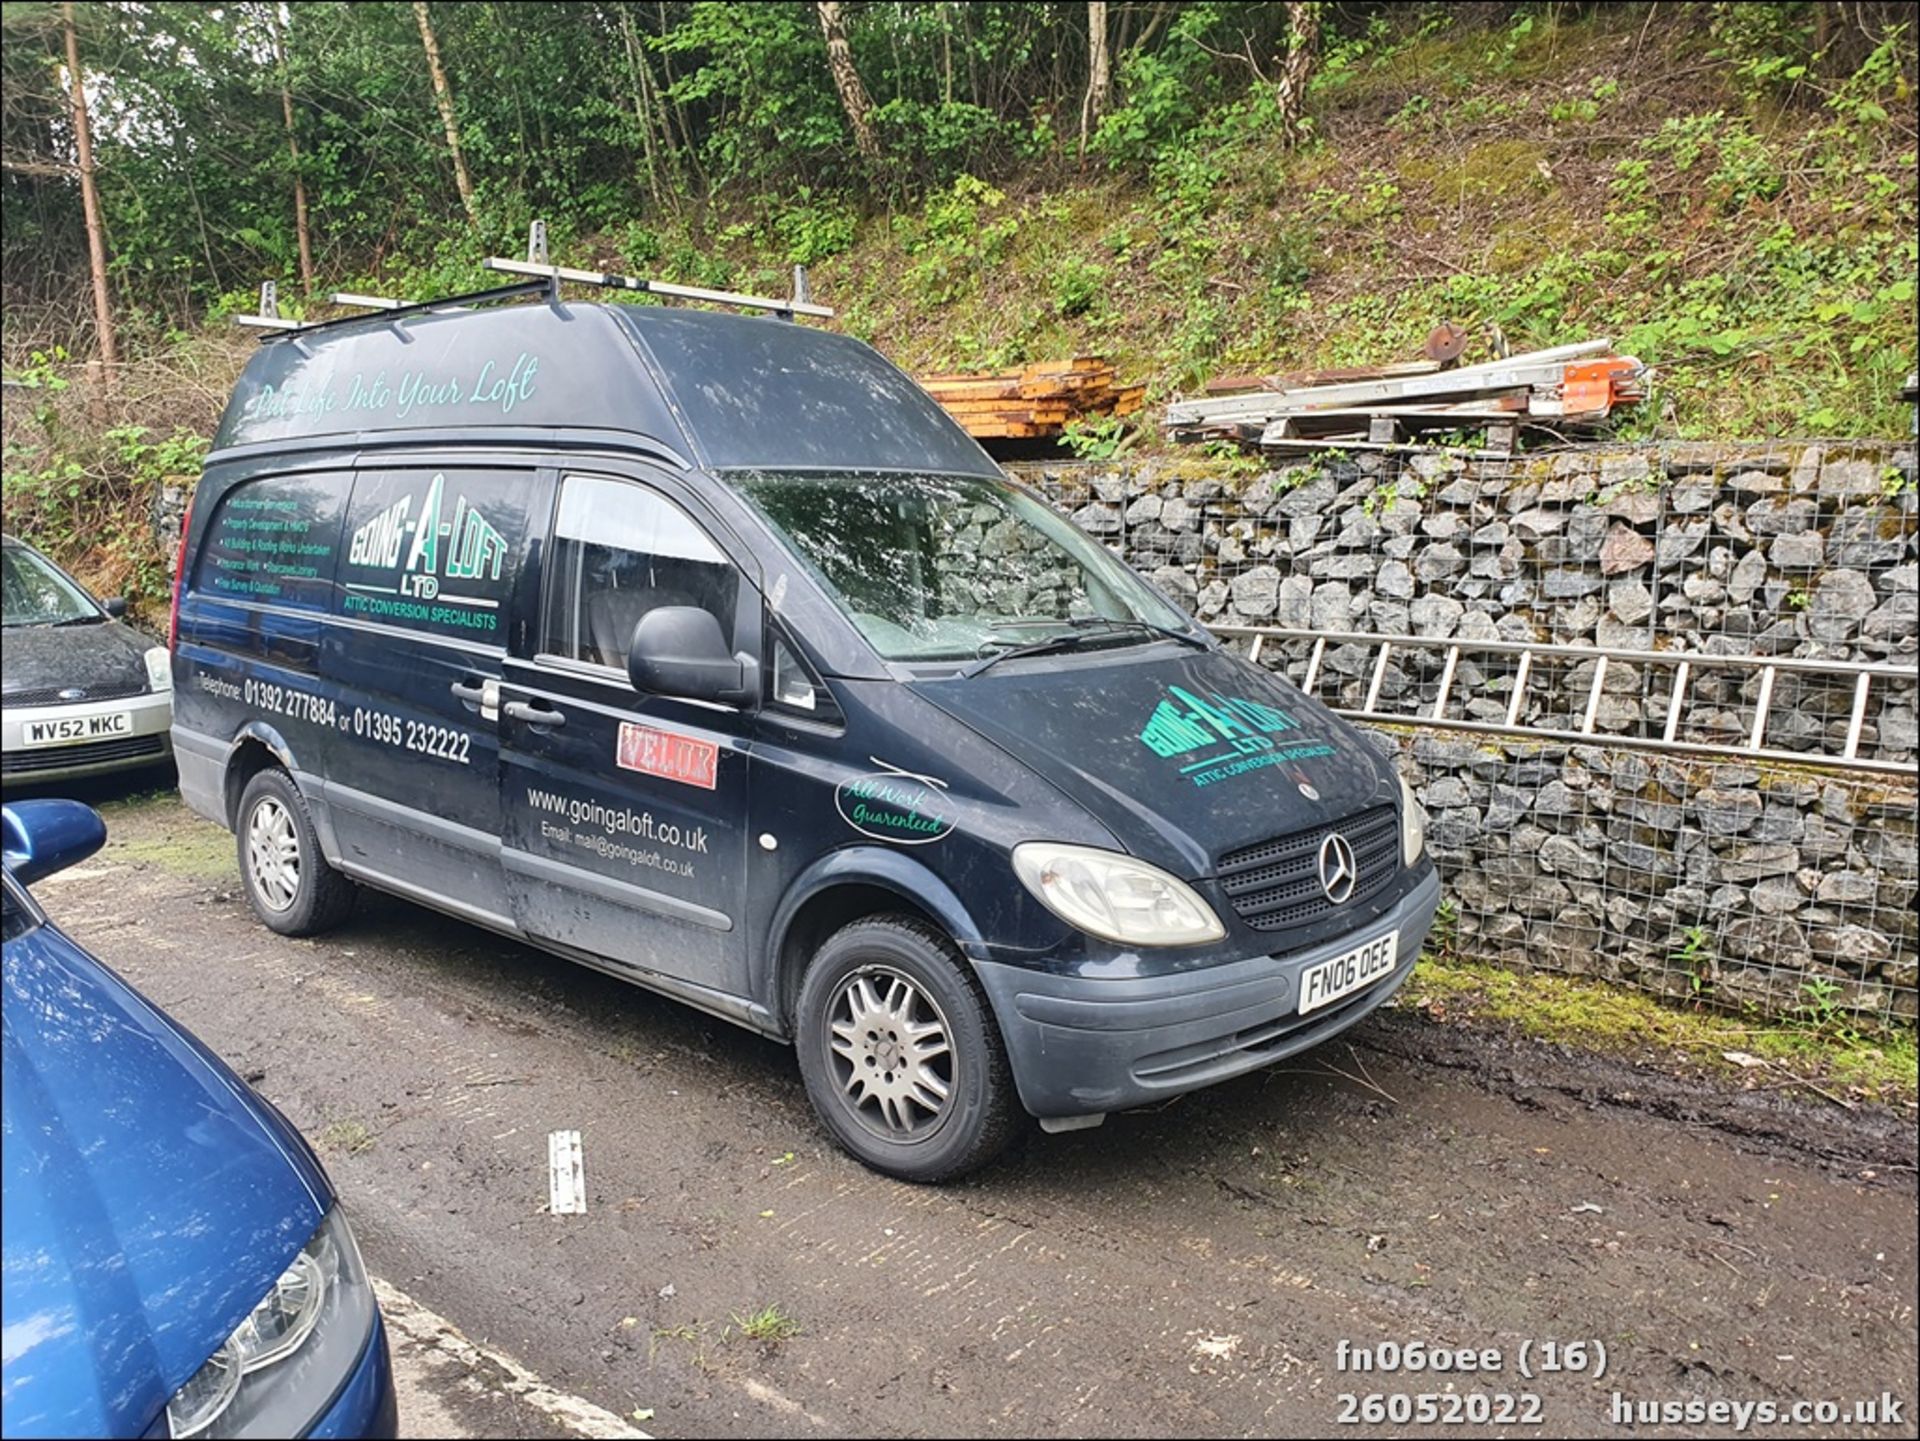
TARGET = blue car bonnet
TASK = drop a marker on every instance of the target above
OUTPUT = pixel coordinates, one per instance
(150, 1200)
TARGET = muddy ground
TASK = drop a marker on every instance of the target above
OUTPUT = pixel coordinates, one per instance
(1185, 1272)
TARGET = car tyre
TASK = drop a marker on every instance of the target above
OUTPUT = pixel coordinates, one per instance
(900, 1052)
(288, 882)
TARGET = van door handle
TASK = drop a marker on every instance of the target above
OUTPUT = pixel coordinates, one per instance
(484, 694)
(533, 715)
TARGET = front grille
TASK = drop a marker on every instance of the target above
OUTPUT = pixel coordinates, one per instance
(1276, 884)
(50, 694)
(54, 758)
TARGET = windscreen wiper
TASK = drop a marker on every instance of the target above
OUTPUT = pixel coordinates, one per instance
(1069, 641)
(1088, 622)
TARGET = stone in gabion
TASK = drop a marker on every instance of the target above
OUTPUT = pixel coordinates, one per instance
(1843, 479)
(1747, 577)
(1097, 519)
(1721, 812)
(1756, 482)
(1798, 552)
(1586, 529)
(1436, 616)
(1438, 562)
(1782, 517)
(1868, 535)
(1256, 593)
(1756, 862)
(1624, 550)
(1332, 606)
(1567, 584)
(1775, 896)
(1841, 600)
(1847, 888)
(1897, 620)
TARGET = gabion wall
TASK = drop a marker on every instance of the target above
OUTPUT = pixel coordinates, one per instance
(1777, 887)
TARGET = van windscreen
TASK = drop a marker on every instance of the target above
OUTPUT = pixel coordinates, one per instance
(937, 567)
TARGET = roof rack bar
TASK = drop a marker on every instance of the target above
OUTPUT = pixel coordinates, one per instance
(268, 317)
(657, 287)
(411, 307)
(369, 302)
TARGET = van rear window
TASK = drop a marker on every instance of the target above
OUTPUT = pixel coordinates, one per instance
(275, 540)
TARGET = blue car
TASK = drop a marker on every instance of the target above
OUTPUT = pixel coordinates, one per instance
(176, 1263)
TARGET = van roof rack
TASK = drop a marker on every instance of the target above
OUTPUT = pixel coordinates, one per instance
(548, 279)
(537, 263)
(608, 280)
(270, 318)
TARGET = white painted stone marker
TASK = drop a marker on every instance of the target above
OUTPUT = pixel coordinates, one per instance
(567, 1174)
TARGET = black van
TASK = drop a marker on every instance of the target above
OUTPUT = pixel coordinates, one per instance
(707, 650)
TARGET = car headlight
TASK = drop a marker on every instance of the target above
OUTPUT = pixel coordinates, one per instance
(1413, 826)
(1115, 897)
(283, 1364)
(159, 669)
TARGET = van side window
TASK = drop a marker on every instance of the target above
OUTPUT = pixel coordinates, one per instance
(434, 549)
(619, 551)
(274, 540)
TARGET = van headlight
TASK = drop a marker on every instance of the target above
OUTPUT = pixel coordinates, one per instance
(1413, 826)
(1115, 897)
(283, 1364)
(159, 669)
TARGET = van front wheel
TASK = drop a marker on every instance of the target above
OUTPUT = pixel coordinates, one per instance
(900, 1053)
(288, 882)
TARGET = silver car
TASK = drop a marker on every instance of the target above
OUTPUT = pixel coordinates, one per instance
(80, 692)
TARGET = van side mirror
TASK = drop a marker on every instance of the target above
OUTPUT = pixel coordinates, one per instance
(115, 606)
(41, 837)
(679, 650)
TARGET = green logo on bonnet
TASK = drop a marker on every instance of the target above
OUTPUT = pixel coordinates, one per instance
(1234, 734)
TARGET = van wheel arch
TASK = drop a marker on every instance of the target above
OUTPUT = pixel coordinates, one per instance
(831, 909)
(251, 756)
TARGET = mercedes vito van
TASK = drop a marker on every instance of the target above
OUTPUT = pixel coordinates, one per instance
(707, 650)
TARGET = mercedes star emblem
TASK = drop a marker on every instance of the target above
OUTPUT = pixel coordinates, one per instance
(1338, 870)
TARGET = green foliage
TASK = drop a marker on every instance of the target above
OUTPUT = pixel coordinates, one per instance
(956, 238)
(1095, 437)
(814, 228)
(1077, 286)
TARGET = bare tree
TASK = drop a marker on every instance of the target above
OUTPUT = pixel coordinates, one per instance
(293, 147)
(1099, 73)
(89, 199)
(1303, 50)
(846, 79)
(443, 95)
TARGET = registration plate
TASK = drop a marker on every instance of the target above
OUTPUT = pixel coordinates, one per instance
(65, 730)
(1327, 982)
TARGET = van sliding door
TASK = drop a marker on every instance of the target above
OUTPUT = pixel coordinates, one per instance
(429, 561)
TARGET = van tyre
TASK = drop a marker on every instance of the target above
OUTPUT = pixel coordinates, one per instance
(288, 882)
(900, 1052)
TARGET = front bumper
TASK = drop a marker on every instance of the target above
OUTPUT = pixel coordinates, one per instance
(146, 743)
(366, 1405)
(1082, 1047)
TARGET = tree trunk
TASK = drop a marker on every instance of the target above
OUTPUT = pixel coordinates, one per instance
(1099, 73)
(90, 200)
(1303, 50)
(846, 79)
(444, 97)
(656, 133)
(293, 150)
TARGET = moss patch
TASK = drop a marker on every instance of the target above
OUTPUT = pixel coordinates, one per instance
(155, 830)
(1833, 1058)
